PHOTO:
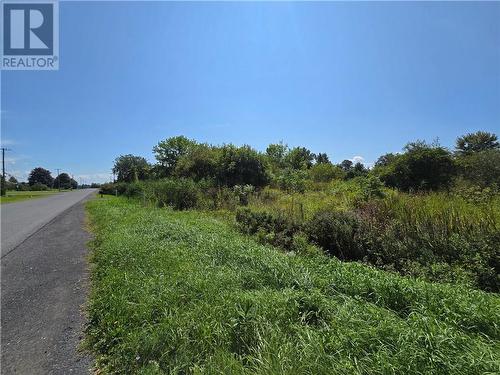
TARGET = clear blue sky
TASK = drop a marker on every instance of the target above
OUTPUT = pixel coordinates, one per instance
(349, 79)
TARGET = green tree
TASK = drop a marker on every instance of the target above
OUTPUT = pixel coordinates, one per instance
(13, 180)
(476, 142)
(130, 168)
(385, 160)
(346, 165)
(241, 166)
(292, 180)
(356, 171)
(41, 176)
(170, 150)
(322, 158)
(481, 168)
(325, 172)
(276, 153)
(201, 162)
(299, 158)
(63, 181)
(420, 167)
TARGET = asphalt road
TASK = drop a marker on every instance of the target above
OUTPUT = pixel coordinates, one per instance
(44, 285)
(21, 219)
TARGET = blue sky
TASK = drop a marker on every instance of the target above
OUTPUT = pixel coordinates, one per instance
(348, 79)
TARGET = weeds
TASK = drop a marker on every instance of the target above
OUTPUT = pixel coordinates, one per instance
(181, 292)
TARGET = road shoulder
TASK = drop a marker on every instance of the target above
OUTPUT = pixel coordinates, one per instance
(44, 287)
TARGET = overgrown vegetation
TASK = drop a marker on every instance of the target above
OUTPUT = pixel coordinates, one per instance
(183, 292)
(426, 212)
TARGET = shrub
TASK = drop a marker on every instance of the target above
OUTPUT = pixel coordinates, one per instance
(371, 187)
(337, 232)
(181, 194)
(482, 168)
(292, 180)
(241, 166)
(325, 172)
(243, 192)
(133, 190)
(276, 229)
(411, 234)
(421, 167)
(107, 188)
(38, 187)
(199, 163)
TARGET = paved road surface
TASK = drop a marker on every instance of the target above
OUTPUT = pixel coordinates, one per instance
(44, 274)
(21, 219)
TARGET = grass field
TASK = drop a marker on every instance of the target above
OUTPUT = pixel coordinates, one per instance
(182, 292)
(16, 196)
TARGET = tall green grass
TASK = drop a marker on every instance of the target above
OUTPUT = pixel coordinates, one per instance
(181, 292)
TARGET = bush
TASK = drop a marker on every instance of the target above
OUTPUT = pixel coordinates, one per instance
(181, 194)
(38, 187)
(243, 192)
(292, 181)
(134, 190)
(482, 168)
(337, 232)
(241, 166)
(276, 229)
(199, 163)
(325, 172)
(421, 167)
(411, 234)
(371, 187)
(108, 188)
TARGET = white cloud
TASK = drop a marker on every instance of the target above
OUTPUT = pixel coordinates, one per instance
(99, 177)
(7, 142)
(358, 159)
(18, 174)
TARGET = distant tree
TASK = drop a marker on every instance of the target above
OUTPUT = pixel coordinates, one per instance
(292, 180)
(63, 181)
(420, 167)
(481, 168)
(299, 158)
(201, 162)
(169, 151)
(130, 168)
(241, 166)
(74, 184)
(325, 172)
(356, 170)
(346, 165)
(276, 154)
(322, 158)
(13, 180)
(476, 142)
(385, 160)
(40, 176)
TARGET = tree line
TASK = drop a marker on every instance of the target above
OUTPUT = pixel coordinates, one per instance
(41, 179)
(421, 166)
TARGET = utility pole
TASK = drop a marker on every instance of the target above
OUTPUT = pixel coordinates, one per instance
(3, 188)
(58, 180)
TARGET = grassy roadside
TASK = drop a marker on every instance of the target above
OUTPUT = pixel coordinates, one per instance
(16, 196)
(182, 292)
